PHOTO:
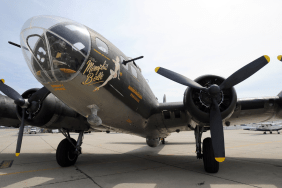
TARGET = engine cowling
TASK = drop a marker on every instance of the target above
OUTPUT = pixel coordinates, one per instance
(53, 113)
(197, 102)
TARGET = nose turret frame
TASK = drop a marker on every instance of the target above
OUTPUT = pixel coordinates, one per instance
(54, 48)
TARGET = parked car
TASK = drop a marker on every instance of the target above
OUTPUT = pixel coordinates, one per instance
(33, 130)
(55, 130)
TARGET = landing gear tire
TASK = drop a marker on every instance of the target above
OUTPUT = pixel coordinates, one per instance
(278, 132)
(65, 154)
(264, 133)
(210, 164)
(270, 132)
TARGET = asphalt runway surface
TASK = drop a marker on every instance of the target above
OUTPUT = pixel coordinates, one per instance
(253, 159)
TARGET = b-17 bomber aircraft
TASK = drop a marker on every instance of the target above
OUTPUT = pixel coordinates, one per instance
(89, 84)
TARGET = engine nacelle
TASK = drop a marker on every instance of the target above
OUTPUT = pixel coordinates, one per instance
(53, 113)
(8, 116)
(197, 102)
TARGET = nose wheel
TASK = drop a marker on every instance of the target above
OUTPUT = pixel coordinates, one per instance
(66, 155)
(68, 150)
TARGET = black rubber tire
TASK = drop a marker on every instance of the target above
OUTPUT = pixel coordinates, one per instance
(210, 164)
(65, 153)
(264, 133)
(270, 132)
(278, 132)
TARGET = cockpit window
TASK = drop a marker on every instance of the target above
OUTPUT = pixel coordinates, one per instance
(57, 51)
(102, 46)
(133, 71)
(66, 59)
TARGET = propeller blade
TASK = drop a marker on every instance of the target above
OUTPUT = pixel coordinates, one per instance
(178, 78)
(20, 136)
(245, 72)
(10, 92)
(216, 130)
(41, 94)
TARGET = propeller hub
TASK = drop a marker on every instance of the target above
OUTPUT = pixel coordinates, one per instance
(206, 98)
(214, 90)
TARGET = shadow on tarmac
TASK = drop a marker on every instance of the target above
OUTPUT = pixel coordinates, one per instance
(142, 166)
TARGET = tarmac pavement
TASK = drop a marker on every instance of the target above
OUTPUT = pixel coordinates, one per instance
(253, 159)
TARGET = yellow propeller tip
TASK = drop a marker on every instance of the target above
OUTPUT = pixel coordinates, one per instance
(267, 58)
(220, 159)
(2, 80)
(279, 57)
(156, 69)
(17, 154)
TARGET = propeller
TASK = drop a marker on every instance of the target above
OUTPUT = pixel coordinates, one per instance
(30, 104)
(214, 90)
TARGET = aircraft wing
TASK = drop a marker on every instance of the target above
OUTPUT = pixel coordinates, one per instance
(255, 110)
(173, 116)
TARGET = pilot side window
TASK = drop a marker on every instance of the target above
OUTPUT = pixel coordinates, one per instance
(121, 60)
(102, 46)
(133, 71)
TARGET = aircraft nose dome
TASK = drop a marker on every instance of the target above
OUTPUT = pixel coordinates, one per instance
(54, 48)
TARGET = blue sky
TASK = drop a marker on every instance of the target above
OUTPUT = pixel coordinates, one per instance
(192, 38)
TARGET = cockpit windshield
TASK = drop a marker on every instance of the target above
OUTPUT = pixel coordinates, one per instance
(57, 51)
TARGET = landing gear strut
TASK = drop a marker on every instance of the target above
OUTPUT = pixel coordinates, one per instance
(163, 140)
(198, 136)
(68, 150)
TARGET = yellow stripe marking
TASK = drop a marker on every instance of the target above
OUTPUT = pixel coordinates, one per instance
(68, 71)
(220, 159)
(156, 69)
(134, 97)
(129, 121)
(17, 154)
(58, 55)
(267, 58)
(135, 92)
(279, 57)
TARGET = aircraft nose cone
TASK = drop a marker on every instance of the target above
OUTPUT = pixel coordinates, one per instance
(54, 48)
(214, 89)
